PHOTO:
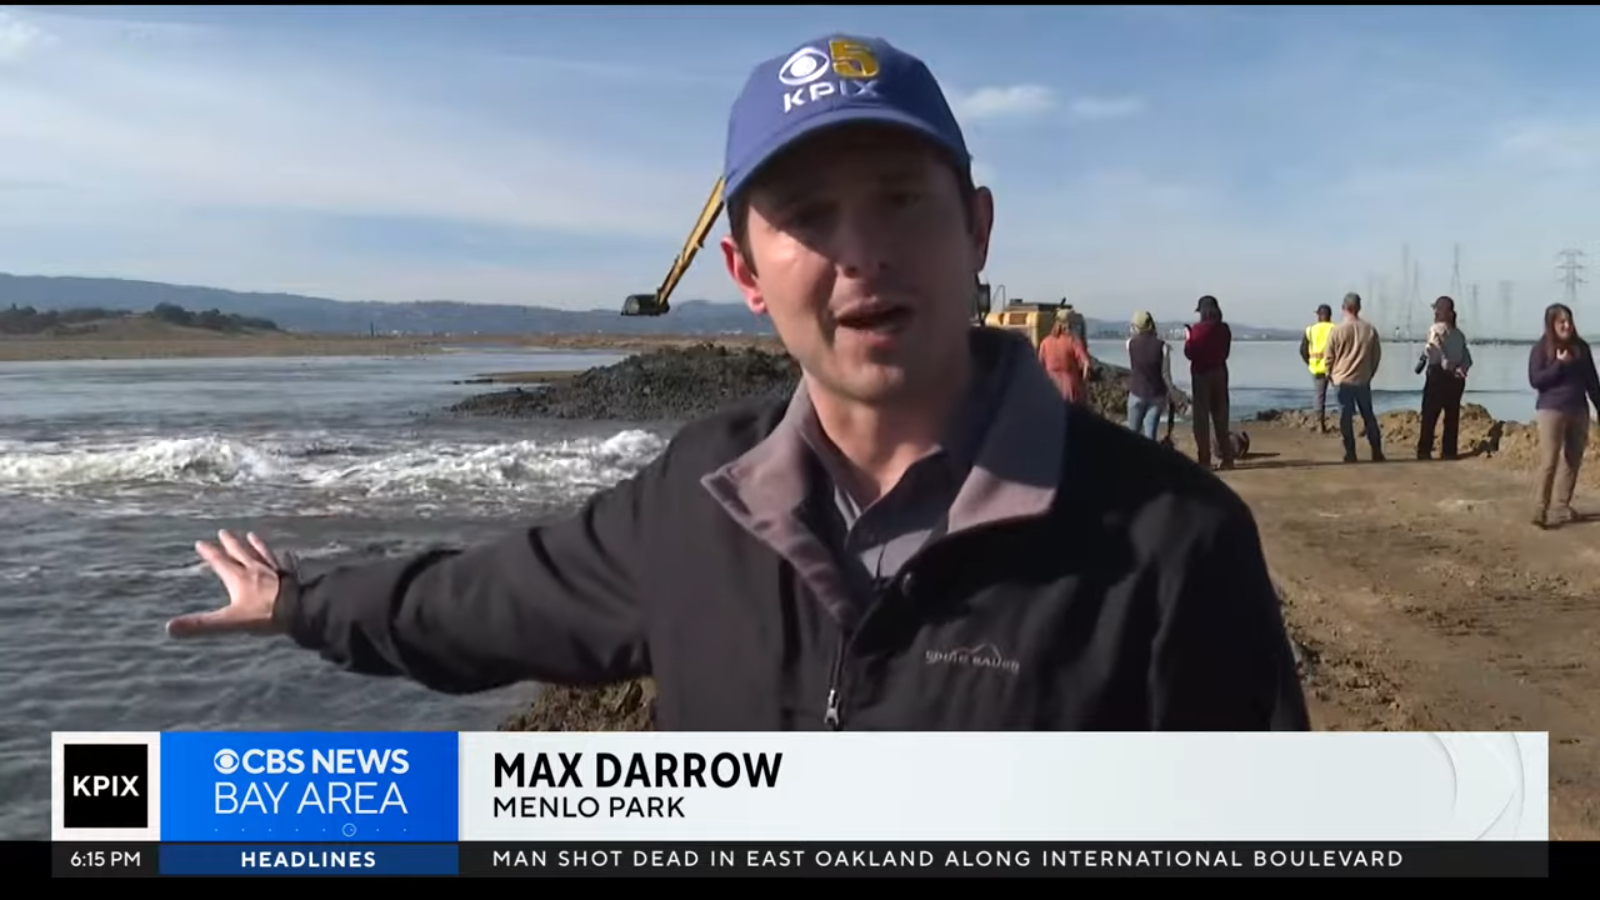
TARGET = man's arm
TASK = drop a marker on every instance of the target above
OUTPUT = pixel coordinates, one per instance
(1222, 659)
(1305, 348)
(558, 604)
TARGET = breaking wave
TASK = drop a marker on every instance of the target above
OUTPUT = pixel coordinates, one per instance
(308, 474)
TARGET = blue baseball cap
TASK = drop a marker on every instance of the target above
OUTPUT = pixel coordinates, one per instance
(835, 80)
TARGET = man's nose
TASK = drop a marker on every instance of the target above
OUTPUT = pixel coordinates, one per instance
(862, 241)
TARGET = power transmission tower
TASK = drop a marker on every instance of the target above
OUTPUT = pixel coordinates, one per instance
(1406, 272)
(1472, 306)
(1570, 279)
(1455, 273)
(1507, 326)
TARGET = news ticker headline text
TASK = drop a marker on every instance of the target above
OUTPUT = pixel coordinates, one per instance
(1516, 859)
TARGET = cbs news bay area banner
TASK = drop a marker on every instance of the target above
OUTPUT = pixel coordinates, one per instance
(790, 805)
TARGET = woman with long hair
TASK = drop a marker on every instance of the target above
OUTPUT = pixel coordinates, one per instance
(1065, 360)
(1561, 368)
(1446, 359)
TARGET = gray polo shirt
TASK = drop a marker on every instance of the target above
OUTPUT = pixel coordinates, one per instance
(872, 544)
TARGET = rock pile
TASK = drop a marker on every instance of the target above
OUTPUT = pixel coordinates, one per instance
(677, 384)
(673, 384)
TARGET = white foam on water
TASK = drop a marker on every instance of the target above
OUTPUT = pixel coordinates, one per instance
(315, 474)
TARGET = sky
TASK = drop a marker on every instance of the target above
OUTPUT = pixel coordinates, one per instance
(1140, 156)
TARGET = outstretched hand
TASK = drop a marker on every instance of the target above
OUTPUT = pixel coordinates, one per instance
(247, 569)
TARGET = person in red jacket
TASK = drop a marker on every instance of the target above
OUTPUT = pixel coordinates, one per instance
(1207, 344)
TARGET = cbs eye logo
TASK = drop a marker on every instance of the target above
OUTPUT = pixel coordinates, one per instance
(226, 762)
(846, 59)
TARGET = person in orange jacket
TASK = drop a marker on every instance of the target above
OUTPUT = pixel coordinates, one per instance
(1066, 360)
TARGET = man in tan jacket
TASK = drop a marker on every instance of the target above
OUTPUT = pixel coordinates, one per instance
(1353, 354)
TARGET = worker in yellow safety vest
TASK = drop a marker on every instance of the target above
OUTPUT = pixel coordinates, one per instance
(1312, 345)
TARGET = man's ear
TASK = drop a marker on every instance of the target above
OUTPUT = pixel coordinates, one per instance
(982, 226)
(744, 277)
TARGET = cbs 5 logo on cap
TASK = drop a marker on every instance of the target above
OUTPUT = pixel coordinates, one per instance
(852, 65)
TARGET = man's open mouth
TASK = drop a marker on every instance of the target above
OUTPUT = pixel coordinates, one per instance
(877, 318)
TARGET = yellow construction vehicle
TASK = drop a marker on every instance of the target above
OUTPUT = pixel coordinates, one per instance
(1035, 319)
(659, 303)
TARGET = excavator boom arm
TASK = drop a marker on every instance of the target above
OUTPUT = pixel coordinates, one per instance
(659, 303)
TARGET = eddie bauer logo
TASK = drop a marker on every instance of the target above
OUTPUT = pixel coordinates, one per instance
(983, 656)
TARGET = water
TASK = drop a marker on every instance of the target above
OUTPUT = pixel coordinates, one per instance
(110, 470)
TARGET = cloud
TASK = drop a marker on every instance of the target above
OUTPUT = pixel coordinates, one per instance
(1097, 108)
(171, 125)
(1015, 101)
(17, 37)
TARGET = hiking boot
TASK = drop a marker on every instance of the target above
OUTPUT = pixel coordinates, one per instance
(1561, 515)
(1541, 519)
(1377, 456)
(1350, 458)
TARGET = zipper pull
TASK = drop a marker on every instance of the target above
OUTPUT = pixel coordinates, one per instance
(831, 717)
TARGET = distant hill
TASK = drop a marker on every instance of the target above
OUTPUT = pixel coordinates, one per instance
(319, 315)
(19, 320)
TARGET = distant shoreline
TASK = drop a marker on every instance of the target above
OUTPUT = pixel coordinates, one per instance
(65, 349)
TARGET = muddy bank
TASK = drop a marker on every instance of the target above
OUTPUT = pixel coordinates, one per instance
(679, 383)
(1514, 445)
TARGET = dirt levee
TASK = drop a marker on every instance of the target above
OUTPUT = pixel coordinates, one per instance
(1513, 445)
(663, 385)
(680, 383)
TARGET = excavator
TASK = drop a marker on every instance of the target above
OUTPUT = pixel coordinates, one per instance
(1032, 319)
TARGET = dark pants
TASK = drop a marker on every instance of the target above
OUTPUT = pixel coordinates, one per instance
(1210, 402)
(1351, 398)
(1441, 395)
(1320, 382)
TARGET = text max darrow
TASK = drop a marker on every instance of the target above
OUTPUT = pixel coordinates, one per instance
(636, 770)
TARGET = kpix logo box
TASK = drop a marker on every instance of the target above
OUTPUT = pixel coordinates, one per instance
(105, 786)
(108, 786)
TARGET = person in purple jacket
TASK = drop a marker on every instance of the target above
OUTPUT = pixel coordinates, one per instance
(1561, 368)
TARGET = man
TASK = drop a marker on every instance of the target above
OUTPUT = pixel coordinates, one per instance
(1208, 344)
(1312, 345)
(926, 537)
(1353, 354)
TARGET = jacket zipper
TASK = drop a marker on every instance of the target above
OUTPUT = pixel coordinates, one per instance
(831, 717)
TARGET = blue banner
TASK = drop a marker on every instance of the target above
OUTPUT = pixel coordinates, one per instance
(351, 787)
(309, 859)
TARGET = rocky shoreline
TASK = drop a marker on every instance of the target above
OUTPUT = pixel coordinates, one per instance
(681, 383)
(674, 384)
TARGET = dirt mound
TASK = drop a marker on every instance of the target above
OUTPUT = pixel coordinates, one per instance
(1512, 444)
(629, 706)
(676, 384)
(670, 384)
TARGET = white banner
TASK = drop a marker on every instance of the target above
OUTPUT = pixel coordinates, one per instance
(1322, 786)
